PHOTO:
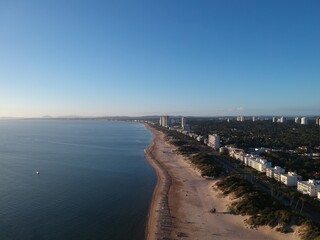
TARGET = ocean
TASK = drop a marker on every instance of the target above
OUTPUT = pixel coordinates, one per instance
(93, 183)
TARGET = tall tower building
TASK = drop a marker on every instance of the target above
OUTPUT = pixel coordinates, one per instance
(164, 121)
(253, 119)
(214, 141)
(282, 119)
(304, 121)
(274, 119)
(240, 118)
(183, 122)
(296, 119)
(318, 121)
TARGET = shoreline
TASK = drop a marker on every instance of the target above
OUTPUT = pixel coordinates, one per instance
(159, 219)
(182, 200)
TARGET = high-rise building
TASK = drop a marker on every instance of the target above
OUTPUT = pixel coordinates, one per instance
(183, 122)
(282, 120)
(214, 141)
(240, 118)
(304, 121)
(318, 121)
(296, 119)
(274, 119)
(253, 119)
(164, 121)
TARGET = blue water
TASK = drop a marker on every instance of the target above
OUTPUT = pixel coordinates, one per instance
(94, 180)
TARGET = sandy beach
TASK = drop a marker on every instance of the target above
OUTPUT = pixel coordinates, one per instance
(182, 201)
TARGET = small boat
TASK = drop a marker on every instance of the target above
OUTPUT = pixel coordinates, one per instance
(37, 172)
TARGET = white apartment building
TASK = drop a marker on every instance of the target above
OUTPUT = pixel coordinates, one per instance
(256, 162)
(246, 158)
(214, 141)
(236, 153)
(290, 179)
(240, 119)
(259, 164)
(239, 155)
(164, 121)
(282, 120)
(296, 119)
(183, 122)
(304, 121)
(200, 138)
(310, 187)
(318, 195)
(277, 176)
(271, 171)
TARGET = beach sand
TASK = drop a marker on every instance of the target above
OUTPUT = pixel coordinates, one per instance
(182, 201)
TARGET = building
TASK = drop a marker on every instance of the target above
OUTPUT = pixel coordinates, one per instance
(256, 162)
(282, 120)
(164, 121)
(214, 141)
(253, 119)
(271, 171)
(290, 179)
(248, 157)
(223, 150)
(199, 138)
(318, 121)
(240, 119)
(296, 120)
(310, 187)
(236, 153)
(318, 195)
(277, 176)
(304, 121)
(259, 164)
(183, 122)
(274, 119)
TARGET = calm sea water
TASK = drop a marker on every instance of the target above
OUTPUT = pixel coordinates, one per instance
(94, 180)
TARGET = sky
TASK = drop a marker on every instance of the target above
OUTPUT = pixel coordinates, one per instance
(180, 57)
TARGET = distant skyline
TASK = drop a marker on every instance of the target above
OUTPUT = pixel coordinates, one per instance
(135, 58)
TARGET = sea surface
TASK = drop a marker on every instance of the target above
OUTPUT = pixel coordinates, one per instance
(94, 180)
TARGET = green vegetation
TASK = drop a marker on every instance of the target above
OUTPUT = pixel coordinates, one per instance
(195, 151)
(206, 165)
(306, 167)
(250, 200)
(248, 134)
(310, 231)
(262, 209)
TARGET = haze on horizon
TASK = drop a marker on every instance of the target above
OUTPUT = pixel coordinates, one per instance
(103, 58)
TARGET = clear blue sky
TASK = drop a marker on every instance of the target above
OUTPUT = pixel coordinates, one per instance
(125, 57)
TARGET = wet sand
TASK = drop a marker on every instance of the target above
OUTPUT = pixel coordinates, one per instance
(182, 201)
